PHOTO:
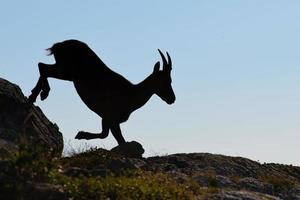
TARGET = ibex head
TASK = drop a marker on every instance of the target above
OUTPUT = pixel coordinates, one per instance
(163, 87)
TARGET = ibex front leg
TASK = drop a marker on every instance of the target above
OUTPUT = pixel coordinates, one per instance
(87, 136)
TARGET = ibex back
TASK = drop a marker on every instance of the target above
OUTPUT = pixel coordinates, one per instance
(104, 91)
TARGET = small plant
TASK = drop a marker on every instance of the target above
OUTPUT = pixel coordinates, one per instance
(212, 181)
(33, 162)
(88, 159)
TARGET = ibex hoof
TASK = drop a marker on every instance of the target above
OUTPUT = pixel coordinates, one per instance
(31, 99)
(81, 135)
(44, 94)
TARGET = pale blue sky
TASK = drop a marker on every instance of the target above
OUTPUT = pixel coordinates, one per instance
(236, 70)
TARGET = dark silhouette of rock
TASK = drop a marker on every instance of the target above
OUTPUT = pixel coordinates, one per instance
(7, 148)
(38, 191)
(119, 165)
(235, 177)
(243, 195)
(104, 91)
(217, 177)
(229, 177)
(129, 149)
(21, 123)
(253, 184)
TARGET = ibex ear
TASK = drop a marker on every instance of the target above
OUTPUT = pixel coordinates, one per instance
(156, 67)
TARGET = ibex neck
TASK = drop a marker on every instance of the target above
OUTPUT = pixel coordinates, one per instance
(143, 92)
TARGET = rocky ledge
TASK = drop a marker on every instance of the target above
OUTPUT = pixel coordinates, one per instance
(225, 177)
(23, 123)
(235, 177)
(103, 174)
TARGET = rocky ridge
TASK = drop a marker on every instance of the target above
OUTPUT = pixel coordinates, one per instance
(231, 177)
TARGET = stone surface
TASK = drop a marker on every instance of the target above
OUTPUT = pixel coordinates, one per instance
(119, 165)
(212, 173)
(253, 184)
(234, 177)
(45, 191)
(7, 148)
(244, 195)
(131, 149)
(20, 122)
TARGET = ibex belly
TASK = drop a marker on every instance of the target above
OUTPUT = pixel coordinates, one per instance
(102, 100)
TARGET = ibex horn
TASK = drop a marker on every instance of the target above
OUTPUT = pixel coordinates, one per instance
(163, 59)
(169, 61)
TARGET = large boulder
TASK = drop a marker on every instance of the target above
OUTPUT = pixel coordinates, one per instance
(22, 123)
(131, 149)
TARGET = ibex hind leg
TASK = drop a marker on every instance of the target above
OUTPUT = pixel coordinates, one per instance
(42, 87)
(45, 84)
(35, 91)
(116, 131)
(88, 136)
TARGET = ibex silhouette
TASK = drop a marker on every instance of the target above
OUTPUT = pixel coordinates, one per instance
(104, 91)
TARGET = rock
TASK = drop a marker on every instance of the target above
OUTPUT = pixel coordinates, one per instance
(7, 175)
(120, 165)
(76, 171)
(168, 167)
(225, 182)
(138, 163)
(129, 149)
(102, 172)
(22, 123)
(7, 148)
(214, 181)
(43, 191)
(294, 193)
(178, 161)
(244, 195)
(249, 179)
(179, 177)
(253, 184)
